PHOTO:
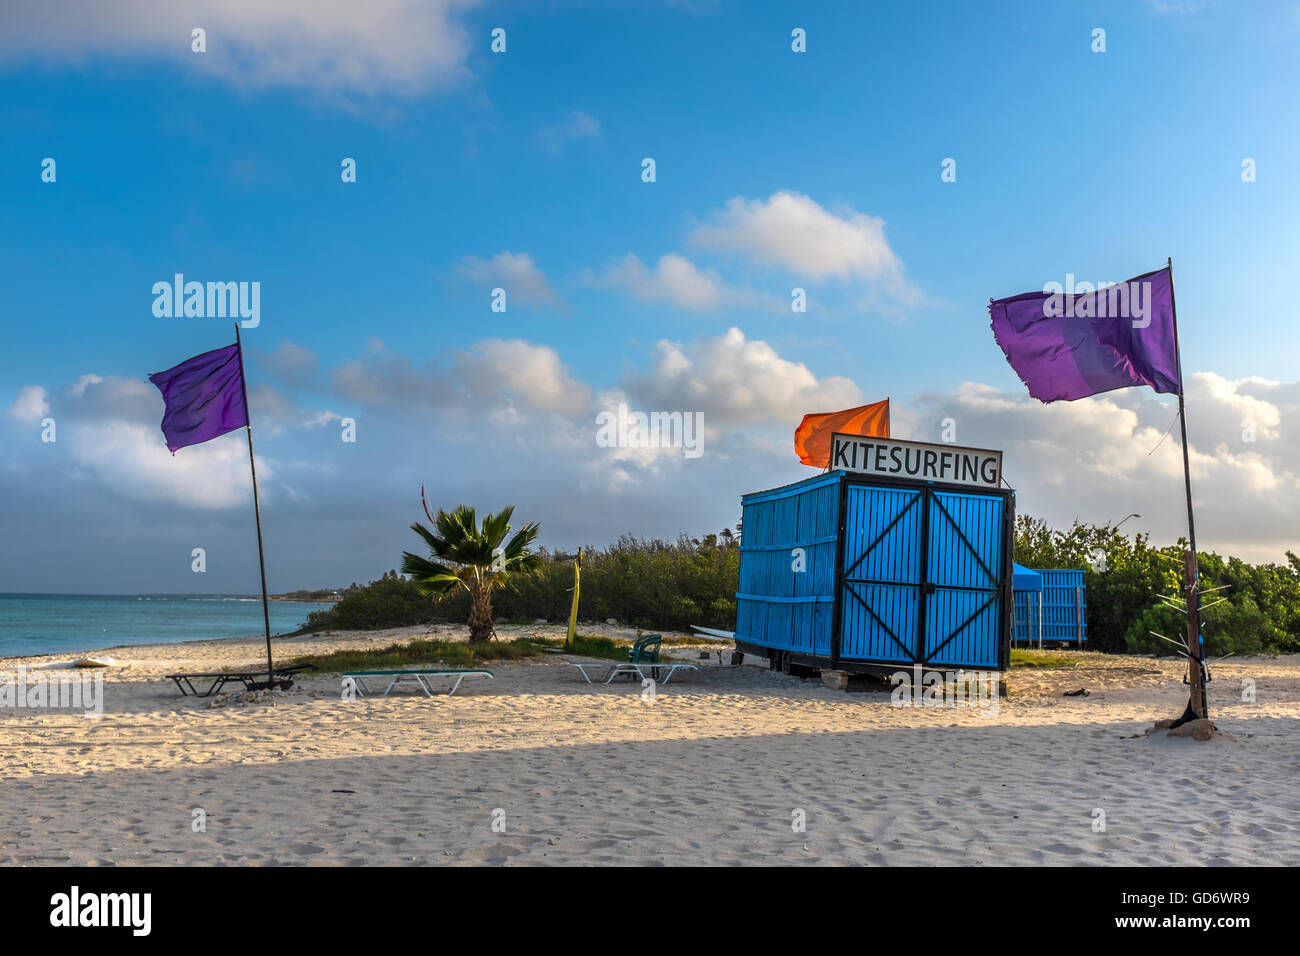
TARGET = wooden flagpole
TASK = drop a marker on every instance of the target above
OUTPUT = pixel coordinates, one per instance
(257, 512)
(1195, 644)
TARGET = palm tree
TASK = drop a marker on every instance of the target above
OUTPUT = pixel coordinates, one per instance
(477, 558)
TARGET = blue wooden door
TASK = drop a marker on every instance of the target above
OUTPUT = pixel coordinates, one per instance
(880, 604)
(964, 568)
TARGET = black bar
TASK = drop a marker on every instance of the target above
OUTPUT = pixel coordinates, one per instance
(1106, 902)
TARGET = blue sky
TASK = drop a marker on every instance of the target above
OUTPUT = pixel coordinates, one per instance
(522, 170)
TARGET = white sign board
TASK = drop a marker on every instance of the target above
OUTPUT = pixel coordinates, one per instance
(917, 461)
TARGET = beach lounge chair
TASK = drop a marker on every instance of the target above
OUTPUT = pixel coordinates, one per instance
(642, 659)
(252, 680)
(422, 678)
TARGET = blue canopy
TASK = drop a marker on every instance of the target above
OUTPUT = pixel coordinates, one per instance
(1023, 579)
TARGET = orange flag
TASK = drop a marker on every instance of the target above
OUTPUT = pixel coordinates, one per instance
(812, 439)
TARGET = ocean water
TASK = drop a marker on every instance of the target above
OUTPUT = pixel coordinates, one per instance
(75, 623)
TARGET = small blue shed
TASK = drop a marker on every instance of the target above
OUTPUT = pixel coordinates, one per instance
(1056, 611)
(1025, 579)
(853, 572)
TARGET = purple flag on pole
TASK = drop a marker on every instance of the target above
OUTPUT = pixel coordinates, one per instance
(1066, 346)
(204, 397)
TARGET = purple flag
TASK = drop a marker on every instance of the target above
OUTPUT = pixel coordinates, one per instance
(1066, 346)
(204, 397)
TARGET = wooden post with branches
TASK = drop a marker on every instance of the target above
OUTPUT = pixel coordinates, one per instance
(573, 611)
(1195, 650)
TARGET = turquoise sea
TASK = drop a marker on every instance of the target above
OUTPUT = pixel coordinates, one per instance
(74, 623)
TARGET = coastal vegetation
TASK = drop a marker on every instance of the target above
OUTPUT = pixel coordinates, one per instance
(1126, 578)
(449, 654)
(320, 595)
(670, 585)
(453, 654)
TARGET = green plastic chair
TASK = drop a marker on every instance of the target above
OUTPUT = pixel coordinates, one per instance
(645, 650)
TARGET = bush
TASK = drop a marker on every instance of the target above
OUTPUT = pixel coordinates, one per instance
(420, 653)
(1125, 578)
(668, 586)
(388, 602)
(652, 584)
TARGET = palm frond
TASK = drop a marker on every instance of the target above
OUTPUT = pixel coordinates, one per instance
(463, 551)
(436, 545)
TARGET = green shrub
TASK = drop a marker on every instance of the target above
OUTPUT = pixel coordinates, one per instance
(651, 584)
(1260, 612)
(448, 654)
(668, 586)
(388, 602)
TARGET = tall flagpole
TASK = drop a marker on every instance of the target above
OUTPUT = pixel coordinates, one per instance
(1195, 643)
(257, 511)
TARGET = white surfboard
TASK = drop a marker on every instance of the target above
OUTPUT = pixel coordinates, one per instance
(95, 662)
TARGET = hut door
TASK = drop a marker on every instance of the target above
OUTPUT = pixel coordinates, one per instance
(963, 604)
(880, 606)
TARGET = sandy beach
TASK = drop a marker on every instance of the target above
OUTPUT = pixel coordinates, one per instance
(537, 767)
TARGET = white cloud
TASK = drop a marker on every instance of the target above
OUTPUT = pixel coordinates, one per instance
(29, 405)
(1176, 6)
(132, 460)
(110, 427)
(516, 272)
(533, 374)
(791, 230)
(277, 411)
(502, 403)
(576, 125)
(1100, 458)
(492, 377)
(109, 398)
(472, 423)
(383, 377)
(675, 279)
(292, 362)
(737, 381)
(406, 47)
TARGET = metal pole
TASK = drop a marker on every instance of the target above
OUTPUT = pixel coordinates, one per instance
(257, 512)
(1040, 619)
(1078, 616)
(1195, 644)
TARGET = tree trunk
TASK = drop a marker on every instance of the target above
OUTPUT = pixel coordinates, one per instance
(480, 616)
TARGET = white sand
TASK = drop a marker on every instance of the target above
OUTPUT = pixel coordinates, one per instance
(709, 773)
